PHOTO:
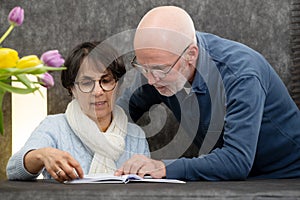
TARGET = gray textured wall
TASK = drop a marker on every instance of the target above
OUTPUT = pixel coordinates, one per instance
(263, 25)
(61, 24)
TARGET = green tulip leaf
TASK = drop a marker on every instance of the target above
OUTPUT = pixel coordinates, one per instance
(23, 79)
(2, 92)
(17, 90)
(40, 69)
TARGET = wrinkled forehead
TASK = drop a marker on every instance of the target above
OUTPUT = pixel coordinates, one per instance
(161, 39)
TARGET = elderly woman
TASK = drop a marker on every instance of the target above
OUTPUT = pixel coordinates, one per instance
(93, 135)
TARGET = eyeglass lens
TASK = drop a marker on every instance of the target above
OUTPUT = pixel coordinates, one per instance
(159, 73)
(107, 84)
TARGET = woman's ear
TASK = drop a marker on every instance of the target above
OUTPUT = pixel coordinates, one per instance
(74, 92)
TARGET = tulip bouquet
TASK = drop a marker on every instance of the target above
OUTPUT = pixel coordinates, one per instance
(15, 69)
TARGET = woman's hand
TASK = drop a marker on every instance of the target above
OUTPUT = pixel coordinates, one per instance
(59, 164)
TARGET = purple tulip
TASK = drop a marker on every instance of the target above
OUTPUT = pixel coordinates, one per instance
(52, 58)
(46, 80)
(16, 16)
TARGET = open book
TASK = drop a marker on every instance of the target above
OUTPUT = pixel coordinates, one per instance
(109, 178)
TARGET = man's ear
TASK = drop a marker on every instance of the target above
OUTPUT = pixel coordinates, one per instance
(192, 54)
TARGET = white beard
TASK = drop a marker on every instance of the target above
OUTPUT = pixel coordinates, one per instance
(176, 86)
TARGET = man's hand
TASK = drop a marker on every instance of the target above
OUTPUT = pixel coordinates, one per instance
(142, 165)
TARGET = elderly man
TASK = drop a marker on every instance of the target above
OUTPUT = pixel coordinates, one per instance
(219, 90)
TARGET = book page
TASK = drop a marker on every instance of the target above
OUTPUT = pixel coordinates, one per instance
(158, 180)
(110, 178)
(99, 178)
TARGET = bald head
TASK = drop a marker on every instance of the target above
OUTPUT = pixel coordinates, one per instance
(166, 27)
(171, 18)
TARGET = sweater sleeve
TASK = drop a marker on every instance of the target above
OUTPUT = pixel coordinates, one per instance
(245, 100)
(15, 169)
(39, 138)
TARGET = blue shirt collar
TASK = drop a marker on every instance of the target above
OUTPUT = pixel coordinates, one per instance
(198, 85)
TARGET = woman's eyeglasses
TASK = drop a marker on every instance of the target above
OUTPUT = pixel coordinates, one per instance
(107, 84)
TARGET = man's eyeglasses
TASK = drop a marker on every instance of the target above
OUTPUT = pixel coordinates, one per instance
(107, 84)
(156, 70)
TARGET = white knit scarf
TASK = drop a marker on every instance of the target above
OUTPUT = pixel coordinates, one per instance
(107, 146)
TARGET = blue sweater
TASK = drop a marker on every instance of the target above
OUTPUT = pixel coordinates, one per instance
(54, 131)
(261, 129)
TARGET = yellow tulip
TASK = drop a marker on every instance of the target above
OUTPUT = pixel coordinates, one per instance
(28, 61)
(8, 58)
